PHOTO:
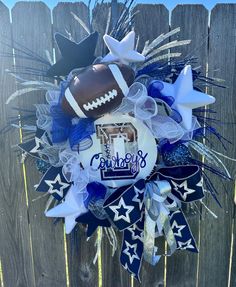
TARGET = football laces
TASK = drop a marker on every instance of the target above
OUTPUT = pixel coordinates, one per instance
(100, 101)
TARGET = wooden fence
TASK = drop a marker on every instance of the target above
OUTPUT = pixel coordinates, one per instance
(34, 251)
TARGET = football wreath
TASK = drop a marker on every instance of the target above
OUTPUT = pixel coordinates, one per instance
(117, 142)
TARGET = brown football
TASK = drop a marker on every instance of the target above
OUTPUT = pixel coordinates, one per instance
(97, 90)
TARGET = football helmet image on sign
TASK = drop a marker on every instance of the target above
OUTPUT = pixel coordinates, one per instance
(123, 151)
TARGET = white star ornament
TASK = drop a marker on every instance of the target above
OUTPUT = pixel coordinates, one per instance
(186, 98)
(70, 208)
(122, 51)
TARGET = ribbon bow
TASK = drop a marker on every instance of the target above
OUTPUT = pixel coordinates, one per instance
(146, 211)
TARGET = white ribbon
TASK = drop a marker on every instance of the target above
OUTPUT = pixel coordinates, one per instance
(156, 216)
(154, 113)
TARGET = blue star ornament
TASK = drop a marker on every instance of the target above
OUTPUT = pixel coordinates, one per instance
(122, 51)
(71, 208)
(185, 97)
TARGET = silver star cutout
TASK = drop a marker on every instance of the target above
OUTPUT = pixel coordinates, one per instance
(63, 185)
(131, 256)
(178, 227)
(122, 51)
(136, 199)
(187, 190)
(121, 204)
(186, 245)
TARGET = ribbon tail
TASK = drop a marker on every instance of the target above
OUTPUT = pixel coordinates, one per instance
(183, 235)
(132, 248)
(169, 234)
(150, 250)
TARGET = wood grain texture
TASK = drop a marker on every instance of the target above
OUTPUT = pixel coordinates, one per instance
(69, 26)
(99, 23)
(15, 251)
(82, 271)
(151, 21)
(232, 279)
(113, 274)
(193, 23)
(216, 234)
(31, 23)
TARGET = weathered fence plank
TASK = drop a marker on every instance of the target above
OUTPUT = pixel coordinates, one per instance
(100, 17)
(216, 234)
(82, 271)
(64, 20)
(232, 279)
(31, 23)
(151, 21)
(113, 274)
(193, 23)
(15, 251)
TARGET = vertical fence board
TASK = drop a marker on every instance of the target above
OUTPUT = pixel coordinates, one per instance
(193, 22)
(99, 23)
(82, 271)
(32, 28)
(216, 234)
(151, 21)
(233, 266)
(15, 252)
(69, 26)
(113, 274)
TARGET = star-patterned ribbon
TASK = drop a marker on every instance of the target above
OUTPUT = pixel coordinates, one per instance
(54, 183)
(145, 211)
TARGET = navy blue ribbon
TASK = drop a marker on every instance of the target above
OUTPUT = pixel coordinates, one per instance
(125, 208)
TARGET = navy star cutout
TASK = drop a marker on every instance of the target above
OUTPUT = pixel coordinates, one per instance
(34, 145)
(74, 55)
(92, 222)
(122, 211)
(53, 181)
(56, 186)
